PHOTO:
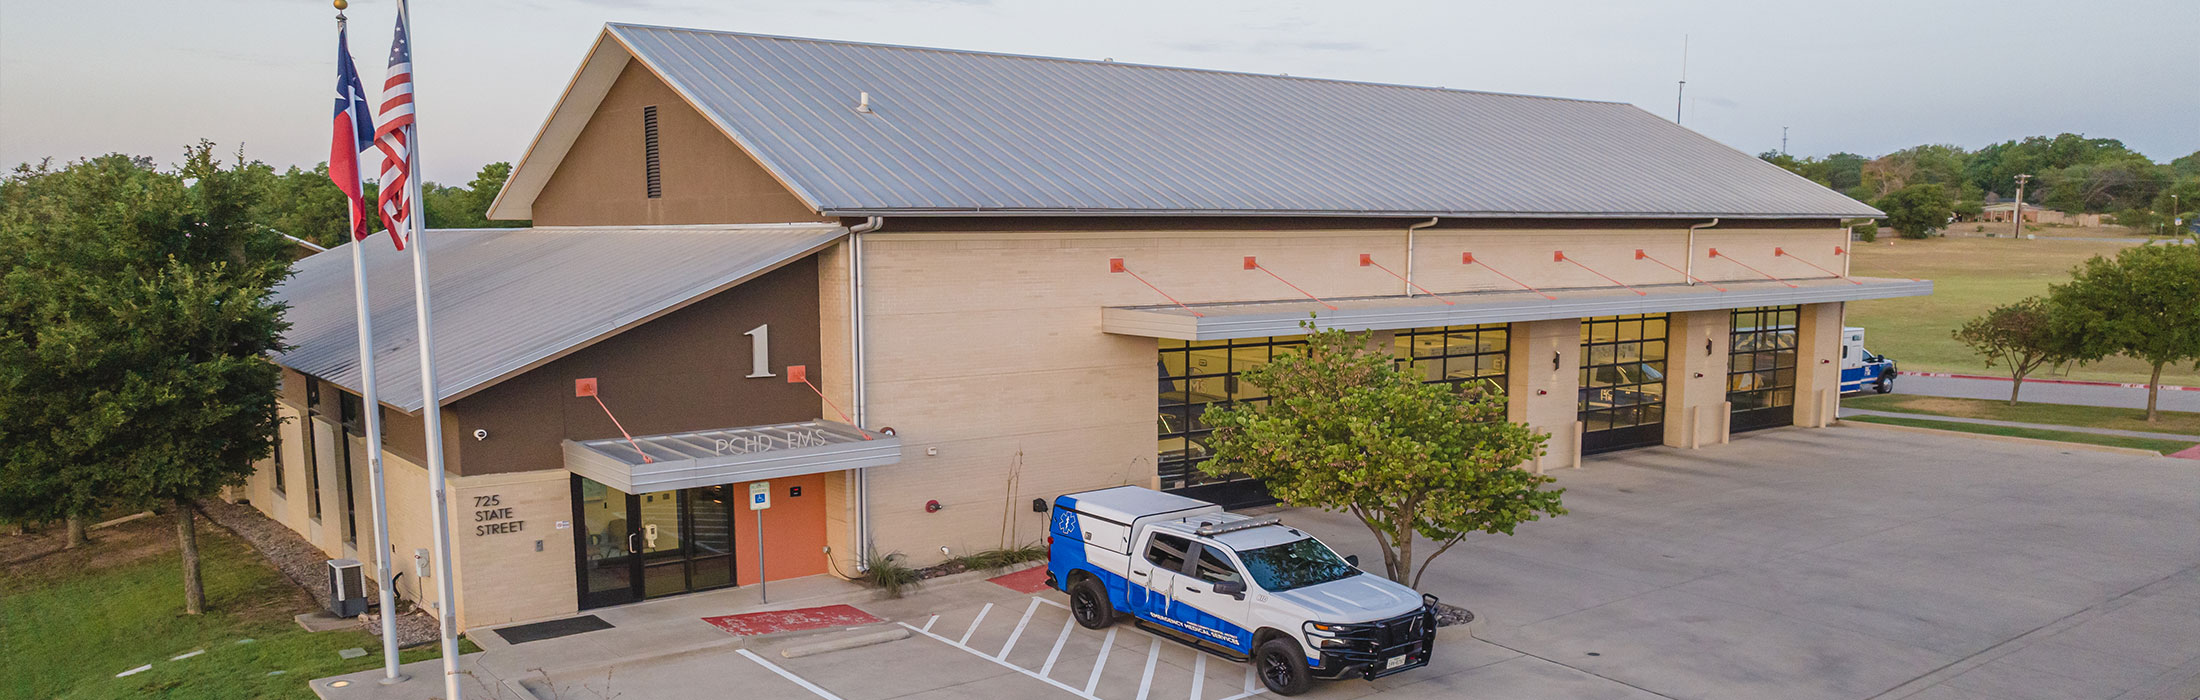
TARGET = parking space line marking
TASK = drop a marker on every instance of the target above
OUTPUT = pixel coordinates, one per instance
(1086, 694)
(1153, 655)
(1063, 638)
(1020, 623)
(1049, 602)
(1199, 675)
(974, 624)
(789, 675)
(1105, 646)
(928, 624)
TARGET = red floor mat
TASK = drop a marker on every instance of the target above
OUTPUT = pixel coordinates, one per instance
(1030, 580)
(792, 620)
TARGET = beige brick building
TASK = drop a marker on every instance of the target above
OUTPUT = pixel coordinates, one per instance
(1005, 278)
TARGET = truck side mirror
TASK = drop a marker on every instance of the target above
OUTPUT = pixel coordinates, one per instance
(1352, 559)
(1234, 589)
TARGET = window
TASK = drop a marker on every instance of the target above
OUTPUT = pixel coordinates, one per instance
(282, 461)
(1168, 551)
(1622, 372)
(1215, 568)
(655, 180)
(353, 414)
(1298, 564)
(1761, 357)
(1461, 356)
(308, 426)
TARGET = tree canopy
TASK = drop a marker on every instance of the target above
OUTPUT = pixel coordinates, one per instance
(2020, 336)
(1917, 210)
(306, 204)
(1346, 429)
(2071, 172)
(2143, 303)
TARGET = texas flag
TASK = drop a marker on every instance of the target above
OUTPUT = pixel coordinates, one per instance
(354, 133)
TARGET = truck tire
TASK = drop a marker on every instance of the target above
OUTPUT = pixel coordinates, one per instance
(1886, 384)
(1088, 602)
(1282, 667)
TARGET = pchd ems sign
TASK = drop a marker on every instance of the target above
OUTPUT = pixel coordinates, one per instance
(768, 441)
(492, 518)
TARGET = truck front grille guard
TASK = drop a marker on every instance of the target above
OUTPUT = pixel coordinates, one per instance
(1370, 644)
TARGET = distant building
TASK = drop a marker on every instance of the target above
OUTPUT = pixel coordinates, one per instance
(2034, 214)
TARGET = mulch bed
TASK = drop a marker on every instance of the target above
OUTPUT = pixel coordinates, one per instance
(1448, 615)
(307, 566)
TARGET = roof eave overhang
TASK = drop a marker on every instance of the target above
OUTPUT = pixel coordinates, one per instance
(604, 462)
(945, 212)
(1283, 318)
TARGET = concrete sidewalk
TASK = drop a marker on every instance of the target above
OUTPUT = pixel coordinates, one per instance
(2044, 392)
(1849, 412)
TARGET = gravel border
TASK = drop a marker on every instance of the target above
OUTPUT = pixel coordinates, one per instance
(306, 566)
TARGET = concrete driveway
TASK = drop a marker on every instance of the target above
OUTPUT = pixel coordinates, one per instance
(1850, 562)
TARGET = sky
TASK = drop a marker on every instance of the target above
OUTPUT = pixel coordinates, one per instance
(85, 77)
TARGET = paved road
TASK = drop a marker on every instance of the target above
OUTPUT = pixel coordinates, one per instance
(1846, 412)
(2042, 392)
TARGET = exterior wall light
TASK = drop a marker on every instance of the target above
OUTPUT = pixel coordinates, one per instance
(932, 506)
(1554, 360)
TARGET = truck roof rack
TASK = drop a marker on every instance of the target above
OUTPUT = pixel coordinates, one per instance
(1212, 528)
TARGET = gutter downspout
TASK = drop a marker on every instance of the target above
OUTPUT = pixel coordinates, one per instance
(1688, 267)
(856, 395)
(1410, 228)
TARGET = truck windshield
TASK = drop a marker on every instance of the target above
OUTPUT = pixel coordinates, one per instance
(1297, 564)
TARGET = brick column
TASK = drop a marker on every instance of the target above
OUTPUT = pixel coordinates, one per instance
(1548, 399)
(1818, 364)
(1695, 378)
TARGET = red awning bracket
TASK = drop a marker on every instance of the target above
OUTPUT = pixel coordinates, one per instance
(1730, 258)
(1116, 265)
(1779, 252)
(1468, 259)
(1640, 255)
(1367, 260)
(1252, 264)
(1560, 256)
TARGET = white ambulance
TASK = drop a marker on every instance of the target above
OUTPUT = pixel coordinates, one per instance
(1246, 588)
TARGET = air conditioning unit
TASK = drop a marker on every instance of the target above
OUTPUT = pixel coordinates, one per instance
(347, 588)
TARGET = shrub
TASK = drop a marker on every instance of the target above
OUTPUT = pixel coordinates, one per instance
(995, 559)
(886, 572)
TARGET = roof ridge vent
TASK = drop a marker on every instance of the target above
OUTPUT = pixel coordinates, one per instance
(863, 102)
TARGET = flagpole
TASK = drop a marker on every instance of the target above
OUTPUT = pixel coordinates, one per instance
(372, 405)
(431, 403)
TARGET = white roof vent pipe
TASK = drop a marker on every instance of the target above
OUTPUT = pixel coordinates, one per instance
(863, 102)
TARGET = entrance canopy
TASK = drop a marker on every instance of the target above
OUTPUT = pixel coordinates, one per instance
(1257, 319)
(729, 455)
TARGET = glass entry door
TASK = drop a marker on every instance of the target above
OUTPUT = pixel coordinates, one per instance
(635, 546)
(1622, 382)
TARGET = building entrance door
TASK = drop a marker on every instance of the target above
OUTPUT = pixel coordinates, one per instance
(1622, 382)
(1760, 377)
(635, 546)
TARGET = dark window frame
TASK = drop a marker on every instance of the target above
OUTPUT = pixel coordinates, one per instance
(1763, 356)
(1631, 344)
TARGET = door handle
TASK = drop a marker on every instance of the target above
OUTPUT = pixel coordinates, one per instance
(1189, 589)
(633, 545)
(1141, 573)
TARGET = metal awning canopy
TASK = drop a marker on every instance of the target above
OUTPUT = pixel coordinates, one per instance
(729, 455)
(1257, 319)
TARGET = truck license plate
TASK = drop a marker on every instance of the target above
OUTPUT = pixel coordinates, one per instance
(1394, 662)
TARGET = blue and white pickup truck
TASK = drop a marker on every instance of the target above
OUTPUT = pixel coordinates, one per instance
(1246, 588)
(1860, 369)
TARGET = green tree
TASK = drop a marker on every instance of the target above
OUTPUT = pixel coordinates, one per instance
(1917, 210)
(2018, 336)
(468, 207)
(147, 310)
(2143, 303)
(1345, 429)
(304, 203)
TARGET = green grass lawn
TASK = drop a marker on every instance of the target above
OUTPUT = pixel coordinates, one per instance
(2050, 413)
(1970, 276)
(70, 621)
(2162, 446)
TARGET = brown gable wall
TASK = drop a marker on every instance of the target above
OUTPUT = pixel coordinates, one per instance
(707, 178)
(687, 370)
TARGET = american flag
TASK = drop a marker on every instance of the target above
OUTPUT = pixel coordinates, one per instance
(394, 136)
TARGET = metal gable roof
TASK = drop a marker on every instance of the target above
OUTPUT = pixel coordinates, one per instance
(963, 133)
(508, 300)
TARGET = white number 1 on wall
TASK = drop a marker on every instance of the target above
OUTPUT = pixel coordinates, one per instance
(760, 351)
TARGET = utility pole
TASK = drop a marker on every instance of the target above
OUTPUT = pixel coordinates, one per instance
(1683, 89)
(2016, 216)
(1783, 140)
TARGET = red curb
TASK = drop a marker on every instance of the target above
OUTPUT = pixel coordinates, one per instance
(1030, 580)
(2165, 387)
(2192, 452)
(750, 624)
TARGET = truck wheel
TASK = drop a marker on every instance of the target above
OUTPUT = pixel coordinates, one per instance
(1088, 602)
(1886, 384)
(1282, 667)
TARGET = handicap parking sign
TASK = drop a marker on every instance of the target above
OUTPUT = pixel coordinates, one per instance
(760, 495)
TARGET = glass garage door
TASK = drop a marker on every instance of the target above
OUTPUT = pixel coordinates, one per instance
(1760, 376)
(1622, 382)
